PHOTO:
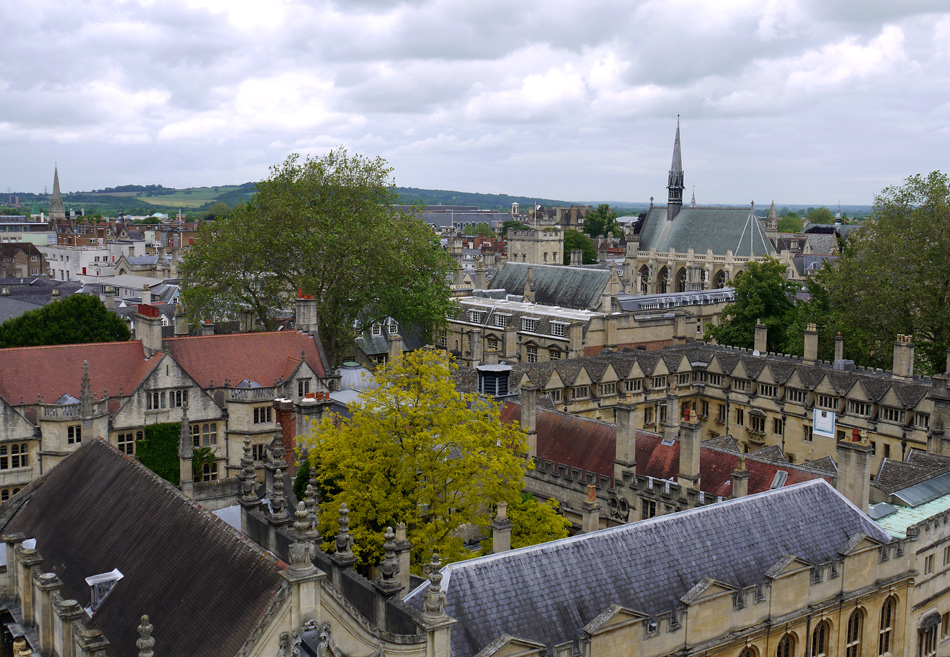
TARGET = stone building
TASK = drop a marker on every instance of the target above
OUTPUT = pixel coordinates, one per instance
(53, 399)
(105, 558)
(22, 260)
(795, 571)
(537, 246)
(538, 313)
(681, 248)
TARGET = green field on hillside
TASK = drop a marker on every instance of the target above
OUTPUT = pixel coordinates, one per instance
(193, 197)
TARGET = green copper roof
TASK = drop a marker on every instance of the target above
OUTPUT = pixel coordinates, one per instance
(897, 523)
(718, 229)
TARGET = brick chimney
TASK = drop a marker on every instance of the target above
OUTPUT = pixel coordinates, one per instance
(903, 366)
(625, 458)
(811, 344)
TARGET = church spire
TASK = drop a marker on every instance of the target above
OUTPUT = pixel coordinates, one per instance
(675, 184)
(56, 209)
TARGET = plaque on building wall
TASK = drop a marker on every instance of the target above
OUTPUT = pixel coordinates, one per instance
(824, 423)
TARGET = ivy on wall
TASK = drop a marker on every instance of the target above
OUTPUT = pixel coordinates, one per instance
(159, 450)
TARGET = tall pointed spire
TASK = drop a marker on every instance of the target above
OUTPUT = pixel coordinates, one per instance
(675, 184)
(692, 202)
(56, 209)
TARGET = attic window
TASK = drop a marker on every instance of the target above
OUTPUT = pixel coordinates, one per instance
(376, 329)
(101, 586)
(528, 324)
(781, 476)
(393, 327)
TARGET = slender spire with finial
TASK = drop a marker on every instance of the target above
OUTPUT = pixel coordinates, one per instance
(145, 642)
(248, 478)
(675, 184)
(692, 202)
(56, 209)
(279, 500)
(344, 542)
(86, 392)
(389, 567)
(434, 603)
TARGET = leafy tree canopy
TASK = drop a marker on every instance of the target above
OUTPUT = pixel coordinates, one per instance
(762, 294)
(893, 277)
(574, 240)
(511, 224)
(790, 223)
(820, 216)
(327, 226)
(417, 451)
(76, 319)
(601, 221)
(479, 229)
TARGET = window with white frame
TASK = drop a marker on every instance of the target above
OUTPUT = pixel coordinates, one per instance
(204, 434)
(528, 324)
(501, 320)
(376, 329)
(859, 408)
(125, 442)
(829, 402)
(393, 327)
(492, 343)
(558, 329)
(889, 414)
(475, 316)
(532, 353)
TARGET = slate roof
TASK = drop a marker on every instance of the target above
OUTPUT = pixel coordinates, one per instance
(549, 592)
(203, 587)
(56, 370)
(570, 287)
(261, 357)
(701, 229)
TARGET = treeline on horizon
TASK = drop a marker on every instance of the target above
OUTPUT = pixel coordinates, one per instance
(147, 199)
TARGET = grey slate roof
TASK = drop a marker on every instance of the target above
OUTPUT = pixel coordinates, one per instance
(569, 287)
(549, 592)
(702, 229)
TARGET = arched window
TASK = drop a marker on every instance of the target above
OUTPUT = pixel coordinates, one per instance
(644, 280)
(786, 647)
(681, 280)
(852, 646)
(748, 651)
(720, 281)
(819, 639)
(886, 637)
(662, 281)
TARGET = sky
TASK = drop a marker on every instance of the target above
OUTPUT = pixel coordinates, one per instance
(796, 101)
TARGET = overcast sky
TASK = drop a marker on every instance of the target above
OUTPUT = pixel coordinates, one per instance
(800, 101)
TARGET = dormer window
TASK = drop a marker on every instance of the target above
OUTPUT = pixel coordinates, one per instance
(376, 330)
(529, 324)
(475, 316)
(393, 328)
(558, 329)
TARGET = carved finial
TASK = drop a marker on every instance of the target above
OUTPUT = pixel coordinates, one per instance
(279, 500)
(740, 463)
(248, 478)
(591, 494)
(313, 518)
(145, 642)
(343, 539)
(186, 444)
(435, 597)
(389, 565)
(301, 550)
(502, 513)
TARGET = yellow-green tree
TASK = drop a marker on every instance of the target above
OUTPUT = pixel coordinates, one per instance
(417, 451)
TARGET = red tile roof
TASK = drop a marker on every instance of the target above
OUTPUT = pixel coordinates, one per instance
(53, 371)
(590, 445)
(259, 357)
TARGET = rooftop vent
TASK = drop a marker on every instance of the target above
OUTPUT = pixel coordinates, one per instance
(101, 586)
(493, 380)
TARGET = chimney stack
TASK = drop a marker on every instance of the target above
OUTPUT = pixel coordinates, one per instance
(740, 478)
(761, 337)
(625, 458)
(854, 469)
(811, 344)
(689, 452)
(529, 416)
(590, 511)
(146, 294)
(839, 347)
(903, 366)
(501, 530)
(148, 329)
(305, 313)
(672, 428)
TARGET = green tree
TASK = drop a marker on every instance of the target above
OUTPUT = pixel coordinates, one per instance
(417, 451)
(790, 224)
(601, 221)
(820, 216)
(512, 224)
(762, 294)
(217, 211)
(574, 240)
(479, 229)
(893, 276)
(327, 226)
(76, 319)
(534, 522)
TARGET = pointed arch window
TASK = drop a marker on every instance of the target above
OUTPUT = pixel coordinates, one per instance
(852, 646)
(886, 636)
(786, 647)
(819, 640)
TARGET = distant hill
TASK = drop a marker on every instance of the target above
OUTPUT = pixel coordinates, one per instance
(147, 199)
